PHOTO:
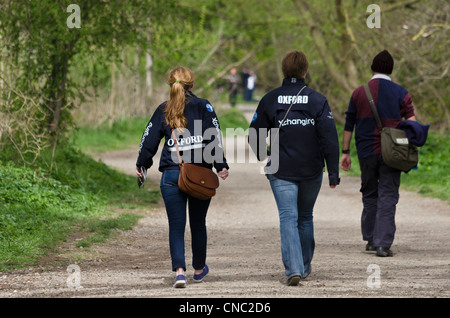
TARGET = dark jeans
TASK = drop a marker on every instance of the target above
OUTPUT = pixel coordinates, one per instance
(175, 201)
(379, 188)
(233, 96)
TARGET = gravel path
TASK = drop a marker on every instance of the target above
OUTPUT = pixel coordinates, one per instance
(244, 249)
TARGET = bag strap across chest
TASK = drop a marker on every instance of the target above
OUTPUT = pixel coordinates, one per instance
(373, 106)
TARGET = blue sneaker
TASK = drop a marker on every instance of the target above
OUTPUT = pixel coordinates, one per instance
(180, 282)
(199, 277)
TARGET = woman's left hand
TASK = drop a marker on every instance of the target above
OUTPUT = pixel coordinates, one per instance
(223, 174)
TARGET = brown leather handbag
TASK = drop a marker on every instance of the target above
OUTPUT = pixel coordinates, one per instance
(196, 181)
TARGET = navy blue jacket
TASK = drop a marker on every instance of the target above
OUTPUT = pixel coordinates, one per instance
(416, 132)
(308, 136)
(199, 143)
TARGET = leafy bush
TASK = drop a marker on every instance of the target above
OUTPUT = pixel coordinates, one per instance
(38, 208)
(36, 211)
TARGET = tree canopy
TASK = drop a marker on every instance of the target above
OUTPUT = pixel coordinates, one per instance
(50, 66)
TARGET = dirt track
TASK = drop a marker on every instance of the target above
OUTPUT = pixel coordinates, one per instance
(244, 249)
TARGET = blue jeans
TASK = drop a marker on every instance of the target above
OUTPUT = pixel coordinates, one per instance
(295, 202)
(175, 201)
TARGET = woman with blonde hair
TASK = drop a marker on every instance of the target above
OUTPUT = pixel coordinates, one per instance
(191, 124)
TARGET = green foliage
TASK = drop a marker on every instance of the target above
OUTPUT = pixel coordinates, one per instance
(102, 229)
(432, 177)
(39, 208)
(36, 211)
(42, 51)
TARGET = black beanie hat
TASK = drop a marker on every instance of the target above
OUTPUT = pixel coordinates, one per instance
(383, 63)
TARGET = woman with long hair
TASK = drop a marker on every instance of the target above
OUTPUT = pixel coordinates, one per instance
(191, 124)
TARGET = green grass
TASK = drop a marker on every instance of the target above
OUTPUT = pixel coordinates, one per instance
(102, 229)
(233, 119)
(36, 212)
(432, 177)
(121, 134)
(39, 209)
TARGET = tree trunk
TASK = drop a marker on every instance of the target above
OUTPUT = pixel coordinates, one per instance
(336, 72)
(137, 82)
(347, 47)
(276, 54)
(57, 91)
(148, 73)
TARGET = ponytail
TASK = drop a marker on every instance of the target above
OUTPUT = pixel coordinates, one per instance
(180, 80)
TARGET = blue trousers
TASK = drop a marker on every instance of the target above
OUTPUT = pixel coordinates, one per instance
(295, 202)
(175, 202)
(379, 188)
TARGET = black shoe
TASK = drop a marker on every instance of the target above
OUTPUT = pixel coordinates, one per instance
(384, 252)
(370, 247)
(293, 280)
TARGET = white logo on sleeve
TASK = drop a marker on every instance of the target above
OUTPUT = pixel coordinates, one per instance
(146, 132)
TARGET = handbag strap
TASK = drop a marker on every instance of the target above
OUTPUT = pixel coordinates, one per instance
(292, 104)
(372, 106)
(180, 162)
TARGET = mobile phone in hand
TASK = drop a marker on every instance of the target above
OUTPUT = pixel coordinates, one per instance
(141, 180)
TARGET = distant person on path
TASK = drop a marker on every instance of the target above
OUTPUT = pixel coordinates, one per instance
(233, 87)
(179, 114)
(379, 183)
(244, 81)
(251, 83)
(307, 139)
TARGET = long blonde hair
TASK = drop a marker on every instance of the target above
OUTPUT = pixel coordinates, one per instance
(180, 79)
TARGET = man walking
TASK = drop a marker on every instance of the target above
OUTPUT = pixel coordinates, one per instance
(379, 183)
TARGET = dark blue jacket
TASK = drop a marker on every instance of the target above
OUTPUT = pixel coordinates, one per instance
(416, 132)
(307, 138)
(199, 143)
